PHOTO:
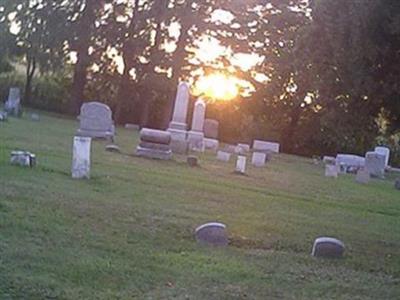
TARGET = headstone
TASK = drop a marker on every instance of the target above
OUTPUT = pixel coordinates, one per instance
(230, 148)
(241, 165)
(212, 234)
(154, 144)
(35, 117)
(350, 160)
(223, 156)
(3, 116)
(211, 144)
(132, 126)
(196, 135)
(397, 184)
(96, 121)
(262, 146)
(375, 164)
(259, 159)
(113, 148)
(329, 160)
(13, 104)
(385, 152)
(211, 128)
(23, 159)
(81, 157)
(363, 176)
(178, 125)
(242, 149)
(192, 161)
(331, 171)
(328, 247)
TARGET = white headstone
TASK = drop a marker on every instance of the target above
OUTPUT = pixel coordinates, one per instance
(350, 160)
(81, 157)
(211, 144)
(241, 164)
(13, 104)
(196, 135)
(385, 152)
(223, 156)
(262, 146)
(178, 125)
(242, 149)
(258, 159)
(331, 171)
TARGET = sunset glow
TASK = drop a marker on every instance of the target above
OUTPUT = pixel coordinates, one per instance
(217, 87)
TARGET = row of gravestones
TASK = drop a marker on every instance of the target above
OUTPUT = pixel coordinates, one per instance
(215, 234)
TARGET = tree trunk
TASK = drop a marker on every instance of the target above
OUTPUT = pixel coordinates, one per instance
(30, 72)
(79, 81)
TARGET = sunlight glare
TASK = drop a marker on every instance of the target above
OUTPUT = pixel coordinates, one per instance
(217, 87)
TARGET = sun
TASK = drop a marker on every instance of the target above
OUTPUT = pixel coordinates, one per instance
(217, 87)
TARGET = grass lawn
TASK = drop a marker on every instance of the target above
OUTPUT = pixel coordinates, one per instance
(128, 232)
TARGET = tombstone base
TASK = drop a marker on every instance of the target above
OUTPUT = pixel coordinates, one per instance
(211, 144)
(196, 141)
(152, 153)
(95, 134)
(177, 126)
(178, 140)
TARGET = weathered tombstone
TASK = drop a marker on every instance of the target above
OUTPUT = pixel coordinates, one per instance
(154, 144)
(192, 161)
(81, 157)
(328, 247)
(242, 149)
(3, 116)
(13, 103)
(262, 146)
(196, 135)
(23, 159)
(113, 148)
(212, 234)
(258, 159)
(96, 121)
(211, 144)
(223, 156)
(375, 164)
(397, 184)
(350, 160)
(385, 152)
(363, 176)
(178, 125)
(35, 117)
(241, 165)
(230, 148)
(211, 128)
(331, 171)
(329, 160)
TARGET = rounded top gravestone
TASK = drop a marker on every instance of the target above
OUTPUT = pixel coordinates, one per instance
(212, 234)
(328, 247)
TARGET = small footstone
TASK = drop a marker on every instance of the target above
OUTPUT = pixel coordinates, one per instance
(192, 161)
(397, 184)
(212, 234)
(363, 176)
(35, 117)
(23, 159)
(113, 148)
(328, 247)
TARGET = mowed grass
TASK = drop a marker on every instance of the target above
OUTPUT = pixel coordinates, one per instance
(127, 233)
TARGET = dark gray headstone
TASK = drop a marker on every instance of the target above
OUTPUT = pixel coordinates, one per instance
(375, 164)
(328, 247)
(211, 128)
(192, 161)
(213, 234)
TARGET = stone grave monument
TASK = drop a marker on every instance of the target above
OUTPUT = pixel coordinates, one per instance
(81, 157)
(178, 126)
(259, 159)
(263, 146)
(241, 165)
(154, 144)
(328, 247)
(212, 234)
(211, 134)
(196, 135)
(223, 156)
(363, 176)
(375, 164)
(96, 121)
(331, 171)
(13, 103)
(385, 152)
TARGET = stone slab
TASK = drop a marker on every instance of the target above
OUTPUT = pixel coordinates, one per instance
(23, 159)
(331, 171)
(259, 159)
(363, 176)
(196, 141)
(211, 128)
(260, 146)
(223, 156)
(241, 164)
(155, 136)
(154, 146)
(242, 149)
(81, 157)
(385, 151)
(211, 144)
(375, 164)
(155, 154)
(132, 126)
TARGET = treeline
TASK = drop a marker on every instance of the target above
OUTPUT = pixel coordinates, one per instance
(325, 80)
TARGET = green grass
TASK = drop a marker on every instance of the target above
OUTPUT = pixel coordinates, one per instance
(128, 232)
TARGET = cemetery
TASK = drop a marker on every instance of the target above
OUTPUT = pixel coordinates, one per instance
(199, 150)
